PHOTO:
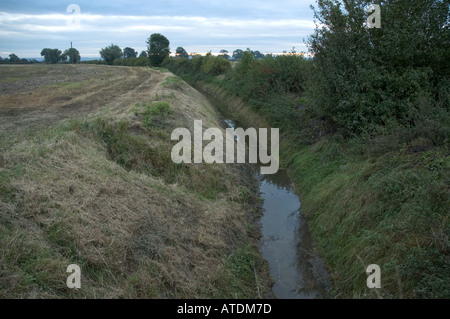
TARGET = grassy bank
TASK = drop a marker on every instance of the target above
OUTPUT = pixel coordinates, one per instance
(86, 178)
(370, 198)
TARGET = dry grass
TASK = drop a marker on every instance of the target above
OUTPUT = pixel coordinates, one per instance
(139, 227)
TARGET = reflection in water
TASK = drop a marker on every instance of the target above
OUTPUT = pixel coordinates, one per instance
(296, 268)
(288, 246)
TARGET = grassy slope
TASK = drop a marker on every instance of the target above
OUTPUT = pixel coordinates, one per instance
(86, 178)
(368, 206)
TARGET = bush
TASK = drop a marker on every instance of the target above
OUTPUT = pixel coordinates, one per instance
(364, 78)
(215, 65)
(141, 61)
(99, 62)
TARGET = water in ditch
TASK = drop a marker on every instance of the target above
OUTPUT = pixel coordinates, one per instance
(297, 270)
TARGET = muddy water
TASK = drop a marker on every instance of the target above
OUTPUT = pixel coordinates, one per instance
(295, 266)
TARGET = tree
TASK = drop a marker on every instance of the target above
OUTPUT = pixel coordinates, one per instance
(158, 49)
(129, 53)
(110, 53)
(51, 56)
(143, 54)
(237, 54)
(73, 55)
(224, 54)
(14, 58)
(258, 55)
(245, 64)
(215, 65)
(368, 77)
(181, 53)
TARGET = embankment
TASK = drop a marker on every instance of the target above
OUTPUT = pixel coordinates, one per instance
(86, 178)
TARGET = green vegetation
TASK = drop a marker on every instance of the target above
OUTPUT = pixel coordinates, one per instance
(73, 55)
(366, 126)
(366, 78)
(141, 61)
(111, 53)
(173, 82)
(158, 49)
(240, 268)
(14, 59)
(181, 53)
(199, 67)
(129, 53)
(52, 56)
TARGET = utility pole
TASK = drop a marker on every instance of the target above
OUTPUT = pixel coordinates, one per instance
(71, 53)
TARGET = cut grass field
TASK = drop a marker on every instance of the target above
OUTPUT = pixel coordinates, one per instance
(86, 178)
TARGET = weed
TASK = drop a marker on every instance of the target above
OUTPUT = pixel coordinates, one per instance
(154, 112)
(173, 82)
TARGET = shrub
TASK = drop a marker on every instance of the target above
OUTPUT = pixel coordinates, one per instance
(215, 65)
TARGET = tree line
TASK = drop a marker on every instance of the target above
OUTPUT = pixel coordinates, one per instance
(53, 56)
(14, 59)
(157, 51)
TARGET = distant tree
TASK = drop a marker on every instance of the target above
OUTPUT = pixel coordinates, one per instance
(143, 54)
(110, 53)
(73, 55)
(258, 55)
(181, 53)
(224, 54)
(158, 49)
(129, 53)
(23, 60)
(14, 58)
(237, 54)
(51, 56)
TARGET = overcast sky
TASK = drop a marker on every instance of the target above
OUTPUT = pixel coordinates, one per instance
(26, 26)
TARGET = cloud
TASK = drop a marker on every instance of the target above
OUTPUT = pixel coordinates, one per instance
(205, 31)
